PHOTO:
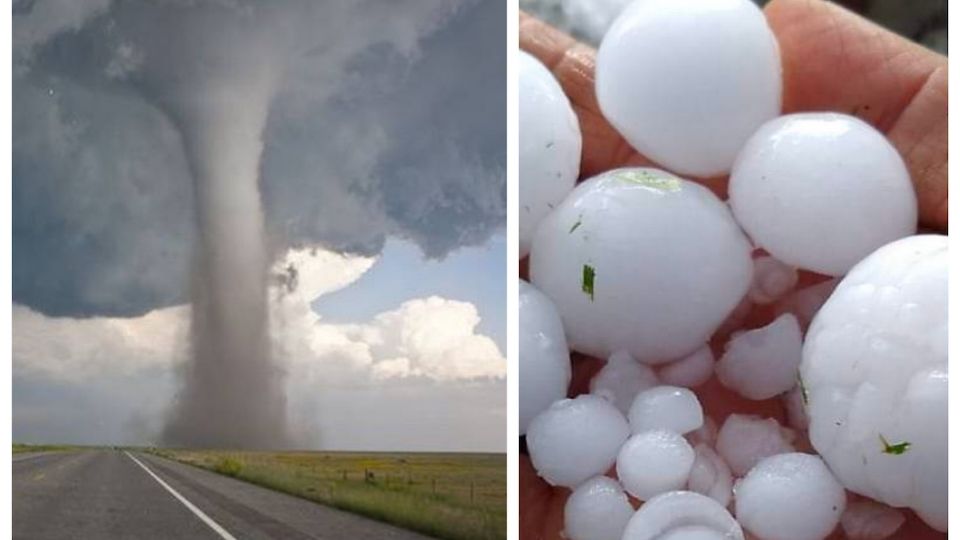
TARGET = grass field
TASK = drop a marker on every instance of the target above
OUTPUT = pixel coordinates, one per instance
(449, 496)
(21, 448)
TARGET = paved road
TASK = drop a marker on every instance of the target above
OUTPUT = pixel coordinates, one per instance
(108, 494)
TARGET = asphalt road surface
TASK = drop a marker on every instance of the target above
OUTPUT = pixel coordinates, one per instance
(110, 494)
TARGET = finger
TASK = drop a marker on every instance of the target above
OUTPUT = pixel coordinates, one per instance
(836, 60)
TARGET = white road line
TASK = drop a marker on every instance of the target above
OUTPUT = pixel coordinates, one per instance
(190, 506)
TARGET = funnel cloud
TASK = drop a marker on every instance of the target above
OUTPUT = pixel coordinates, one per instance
(169, 153)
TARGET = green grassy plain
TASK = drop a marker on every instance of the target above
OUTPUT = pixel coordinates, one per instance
(19, 448)
(450, 496)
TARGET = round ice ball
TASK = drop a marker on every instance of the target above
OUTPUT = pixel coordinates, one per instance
(642, 261)
(550, 145)
(575, 439)
(687, 83)
(597, 510)
(544, 358)
(682, 515)
(875, 372)
(665, 407)
(821, 191)
(790, 497)
(654, 462)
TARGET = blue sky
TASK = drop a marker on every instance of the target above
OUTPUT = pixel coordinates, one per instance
(470, 274)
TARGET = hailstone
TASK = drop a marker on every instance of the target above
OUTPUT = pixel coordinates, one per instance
(690, 371)
(772, 279)
(710, 475)
(654, 462)
(875, 373)
(621, 379)
(544, 358)
(687, 83)
(761, 363)
(682, 515)
(642, 261)
(576, 439)
(790, 497)
(870, 520)
(821, 191)
(665, 407)
(597, 510)
(746, 439)
(550, 145)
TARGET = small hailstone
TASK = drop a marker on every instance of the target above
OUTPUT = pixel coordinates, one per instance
(597, 510)
(821, 191)
(771, 280)
(790, 497)
(804, 303)
(654, 462)
(550, 145)
(875, 368)
(711, 475)
(744, 440)
(794, 403)
(687, 83)
(870, 520)
(705, 434)
(761, 363)
(676, 514)
(621, 379)
(642, 261)
(576, 439)
(690, 371)
(544, 358)
(665, 407)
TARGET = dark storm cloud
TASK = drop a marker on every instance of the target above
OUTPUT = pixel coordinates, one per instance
(361, 143)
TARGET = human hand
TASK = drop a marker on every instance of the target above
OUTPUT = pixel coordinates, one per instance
(833, 60)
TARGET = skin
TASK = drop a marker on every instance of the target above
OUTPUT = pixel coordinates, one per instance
(832, 60)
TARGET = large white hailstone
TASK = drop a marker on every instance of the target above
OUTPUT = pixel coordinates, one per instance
(575, 439)
(761, 363)
(690, 371)
(642, 261)
(654, 462)
(790, 497)
(821, 191)
(597, 510)
(875, 373)
(745, 439)
(666, 407)
(772, 279)
(621, 379)
(687, 83)
(870, 520)
(544, 357)
(550, 145)
(710, 475)
(682, 515)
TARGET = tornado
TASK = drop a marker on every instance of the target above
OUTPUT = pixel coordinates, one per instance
(214, 72)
